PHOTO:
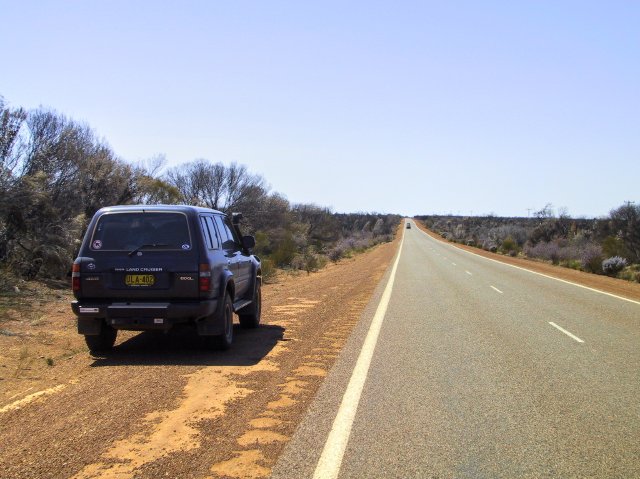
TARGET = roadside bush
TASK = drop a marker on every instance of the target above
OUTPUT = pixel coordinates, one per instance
(628, 274)
(509, 245)
(268, 270)
(592, 258)
(612, 246)
(489, 245)
(309, 262)
(612, 266)
(6, 280)
(549, 251)
(571, 263)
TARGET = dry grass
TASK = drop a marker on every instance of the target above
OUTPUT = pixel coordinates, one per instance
(37, 335)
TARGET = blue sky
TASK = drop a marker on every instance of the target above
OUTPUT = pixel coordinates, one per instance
(408, 107)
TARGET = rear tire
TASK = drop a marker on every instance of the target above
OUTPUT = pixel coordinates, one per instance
(224, 340)
(251, 318)
(103, 341)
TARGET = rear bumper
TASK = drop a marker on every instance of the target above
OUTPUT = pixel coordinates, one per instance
(143, 316)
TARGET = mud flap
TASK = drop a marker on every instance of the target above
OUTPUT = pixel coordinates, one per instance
(211, 325)
(90, 326)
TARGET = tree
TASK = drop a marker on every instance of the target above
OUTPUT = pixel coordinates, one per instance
(626, 223)
(215, 185)
(11, 122)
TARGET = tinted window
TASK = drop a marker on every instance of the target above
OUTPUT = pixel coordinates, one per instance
(226, 234)
(205, 232)
(231, 232)
(213, 232)
(126, 231)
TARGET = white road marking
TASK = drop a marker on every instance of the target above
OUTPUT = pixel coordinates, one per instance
(469, 273)
(540, 274)
(566, 332)
(328, 466)
(496, 289)
(454, 264)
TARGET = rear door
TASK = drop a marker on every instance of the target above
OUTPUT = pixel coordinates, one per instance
(233, 253)
(141, 255)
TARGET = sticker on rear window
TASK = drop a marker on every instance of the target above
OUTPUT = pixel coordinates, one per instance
(186, 246)
(97, 244)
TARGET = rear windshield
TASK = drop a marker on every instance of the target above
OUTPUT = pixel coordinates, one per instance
(128, 231)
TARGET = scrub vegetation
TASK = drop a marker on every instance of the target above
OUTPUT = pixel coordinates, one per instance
(608, 245)
(56, 172)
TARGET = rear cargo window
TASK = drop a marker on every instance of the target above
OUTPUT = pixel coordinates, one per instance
(128, 231)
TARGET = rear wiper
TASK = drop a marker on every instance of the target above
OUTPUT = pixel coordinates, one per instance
(148, 245)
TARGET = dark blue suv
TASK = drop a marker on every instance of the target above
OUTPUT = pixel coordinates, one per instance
(150, 267)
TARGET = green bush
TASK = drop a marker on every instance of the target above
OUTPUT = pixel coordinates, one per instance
(268, 270)
(509, 245)
(571, 263)
(612, 246)
(285, 251)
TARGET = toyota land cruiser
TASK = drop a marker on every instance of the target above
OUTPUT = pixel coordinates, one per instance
(152, 267)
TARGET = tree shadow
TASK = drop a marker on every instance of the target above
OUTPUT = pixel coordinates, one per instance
(183, 347)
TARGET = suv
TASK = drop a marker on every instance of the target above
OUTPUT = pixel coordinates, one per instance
(151, 267)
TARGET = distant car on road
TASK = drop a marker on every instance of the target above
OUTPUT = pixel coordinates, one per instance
(408, 226)
(151, 267)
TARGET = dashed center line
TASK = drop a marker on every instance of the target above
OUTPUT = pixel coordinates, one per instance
(573, 336)
(496, 289)
(469, 273)
(454, 264)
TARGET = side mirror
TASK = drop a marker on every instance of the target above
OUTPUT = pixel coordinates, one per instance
(249, 242)
(229, 245)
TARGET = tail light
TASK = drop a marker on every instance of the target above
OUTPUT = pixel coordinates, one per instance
(204, 278)
(75, 277)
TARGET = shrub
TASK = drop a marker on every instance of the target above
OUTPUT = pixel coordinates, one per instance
(312, 262)
(336, 253)
(509, 245)
(612, 246)
(7, 280)
(571, 263)
(612, 266)
(591, 258)
(629, 275)
(268, 270)
(489, 245)
(549, 251)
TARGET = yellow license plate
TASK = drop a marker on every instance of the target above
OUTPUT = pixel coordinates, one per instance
(139, 280)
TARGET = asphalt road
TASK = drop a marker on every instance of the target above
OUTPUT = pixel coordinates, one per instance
(479, 370)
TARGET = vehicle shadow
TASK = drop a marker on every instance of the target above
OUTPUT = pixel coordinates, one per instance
(183, 347)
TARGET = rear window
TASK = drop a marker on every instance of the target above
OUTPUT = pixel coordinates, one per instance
(128, 231)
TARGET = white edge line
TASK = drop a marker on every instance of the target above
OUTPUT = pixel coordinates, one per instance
(566, 332)
(496, 289)
(535, 272)
(328, 466)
